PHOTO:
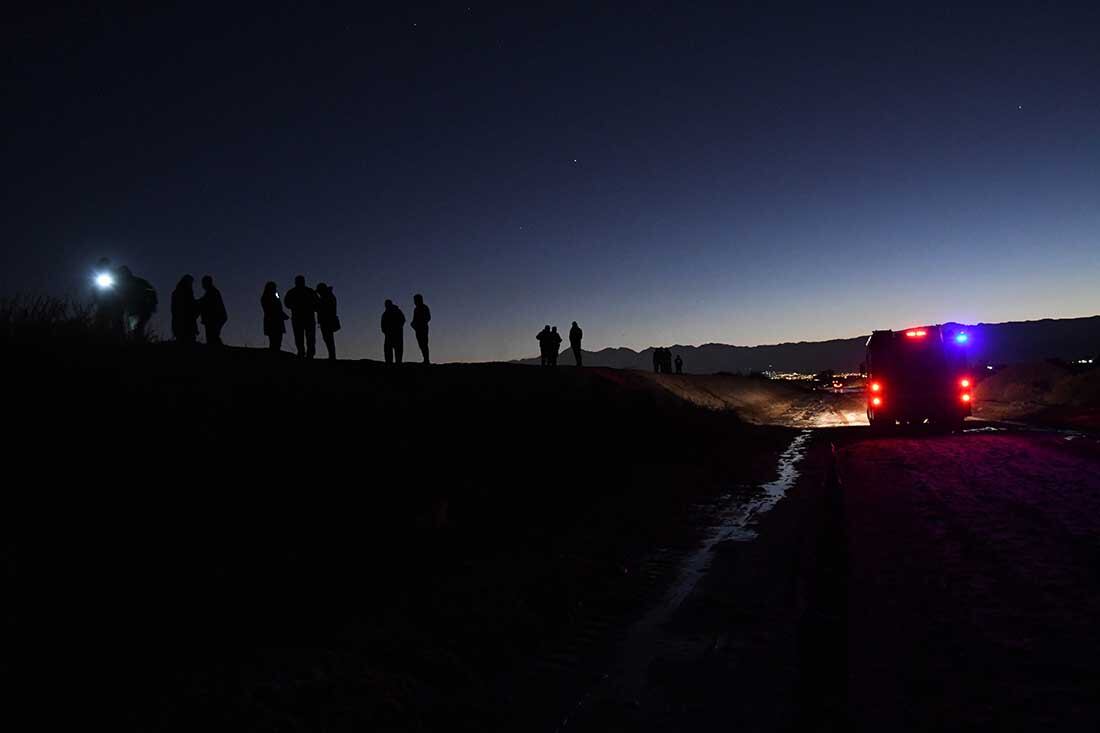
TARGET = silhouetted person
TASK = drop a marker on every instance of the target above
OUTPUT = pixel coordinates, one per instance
(422, 315)
(139, 301)
(274, 316)
(679, 365)
(544, 339)
(393, 329)
(327, 319)
(656, 361)
(302, 302)
(575, 336)
(110, 310)
(555, 346)
(212, 310)
(185, 311)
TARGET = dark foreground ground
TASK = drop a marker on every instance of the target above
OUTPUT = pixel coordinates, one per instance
(235, 541)
(973, 581)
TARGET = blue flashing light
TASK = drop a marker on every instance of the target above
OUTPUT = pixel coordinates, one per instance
(961, 337)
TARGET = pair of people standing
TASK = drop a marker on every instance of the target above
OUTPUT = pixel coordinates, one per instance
(393, 329)
(549, 345)
(186, 311)
(309, 309)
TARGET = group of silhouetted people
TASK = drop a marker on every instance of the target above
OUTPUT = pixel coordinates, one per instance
(662, 361)
(310, 309)
(550, 344)
(125, 303)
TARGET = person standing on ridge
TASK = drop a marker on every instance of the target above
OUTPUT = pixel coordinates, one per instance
(107, 297)
(327, 318)
(212, 309)
(274, 316)
(393, 329)
(139, 302)
(422, 315)
(555, 346)
(185, 311)
(679, 365)
(544, 337)
(302, 302)
(575, 336)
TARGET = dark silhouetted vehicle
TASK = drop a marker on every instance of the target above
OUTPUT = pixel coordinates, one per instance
(919, 375)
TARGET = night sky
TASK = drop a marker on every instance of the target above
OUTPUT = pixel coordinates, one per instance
(662, 173)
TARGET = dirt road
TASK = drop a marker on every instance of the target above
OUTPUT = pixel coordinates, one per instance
(924, 583)
(973, 581)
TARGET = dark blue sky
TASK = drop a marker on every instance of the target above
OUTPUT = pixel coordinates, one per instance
(660, 173)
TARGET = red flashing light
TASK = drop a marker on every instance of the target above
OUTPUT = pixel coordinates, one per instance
(964, 382)
(966, 398)
(916, 332)
(876, 401)
(876, 387)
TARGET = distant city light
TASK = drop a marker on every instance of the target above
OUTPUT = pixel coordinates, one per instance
(104, 280)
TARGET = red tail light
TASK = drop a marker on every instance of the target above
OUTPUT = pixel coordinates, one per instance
(964, 382)
(916, 332)
(876, 401)
(966, 398)
(876, 387)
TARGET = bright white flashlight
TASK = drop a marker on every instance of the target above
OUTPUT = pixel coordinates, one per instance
(104, 280)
